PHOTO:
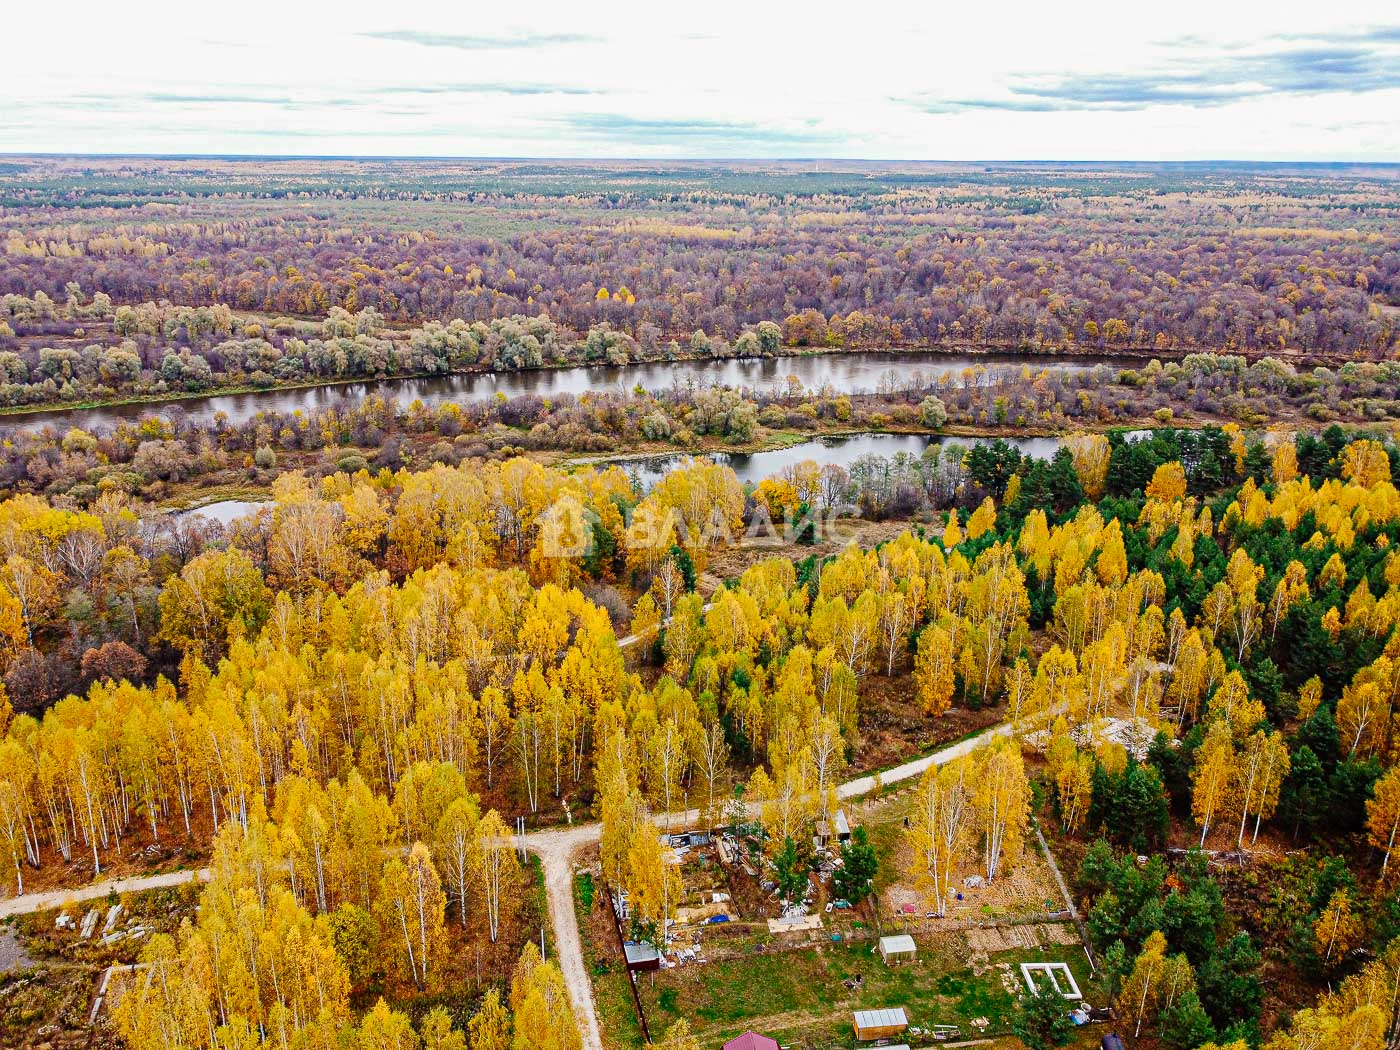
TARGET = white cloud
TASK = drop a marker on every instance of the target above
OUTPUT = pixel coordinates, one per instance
(1250, 80)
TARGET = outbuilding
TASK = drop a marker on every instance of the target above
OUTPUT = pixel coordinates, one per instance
(898, 949)
(690, 839)
(843, 827)
(880, 1024)
(751, 1041)
(642, 955)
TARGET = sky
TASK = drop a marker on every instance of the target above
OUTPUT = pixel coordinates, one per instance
(1192, 80)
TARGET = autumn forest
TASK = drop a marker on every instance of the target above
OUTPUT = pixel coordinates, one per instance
(1041, 530)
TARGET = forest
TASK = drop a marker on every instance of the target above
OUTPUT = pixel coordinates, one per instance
(633, 260)
(398, 738)
(340, 697)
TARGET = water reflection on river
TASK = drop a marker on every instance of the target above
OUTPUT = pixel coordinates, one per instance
(841, 373)
(755, 466)
(226, 511)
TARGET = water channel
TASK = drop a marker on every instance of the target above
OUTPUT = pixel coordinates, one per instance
(841, 373)
(751, 467)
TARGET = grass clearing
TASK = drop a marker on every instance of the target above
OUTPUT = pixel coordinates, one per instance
(800, 997)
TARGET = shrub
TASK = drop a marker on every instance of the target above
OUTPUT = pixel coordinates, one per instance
(933, 413)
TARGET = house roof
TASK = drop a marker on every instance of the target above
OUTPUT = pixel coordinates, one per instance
(640, 951)
(897, 944)
(881, 1018)
(751, 1041)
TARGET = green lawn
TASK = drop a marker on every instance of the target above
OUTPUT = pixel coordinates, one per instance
(800, 995)
(886, 830)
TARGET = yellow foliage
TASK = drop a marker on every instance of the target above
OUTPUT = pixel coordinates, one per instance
(1168, 483)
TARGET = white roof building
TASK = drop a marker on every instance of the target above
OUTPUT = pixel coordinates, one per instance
(898, 948)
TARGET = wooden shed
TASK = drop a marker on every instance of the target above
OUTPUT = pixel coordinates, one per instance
(843, 826)
(880, 1024)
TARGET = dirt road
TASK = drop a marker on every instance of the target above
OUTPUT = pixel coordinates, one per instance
(918, 766)
(627, 641)
(31, 902)
(556, 849)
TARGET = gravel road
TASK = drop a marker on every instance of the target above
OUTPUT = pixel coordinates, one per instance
(556, 849)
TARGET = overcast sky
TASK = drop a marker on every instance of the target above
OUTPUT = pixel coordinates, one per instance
(972, 80)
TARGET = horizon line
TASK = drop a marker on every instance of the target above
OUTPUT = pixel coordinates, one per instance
(737, 159)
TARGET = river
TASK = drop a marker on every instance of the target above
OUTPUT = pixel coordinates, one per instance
(750, 467)
(753, 467)
(843, 373)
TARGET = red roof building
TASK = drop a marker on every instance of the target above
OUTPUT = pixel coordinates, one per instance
(751, 1041)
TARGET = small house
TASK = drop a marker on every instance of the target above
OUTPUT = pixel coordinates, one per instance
(843, 826)
(898, 949)
(880, 1024)
(642, 956)
(688, 839)
(751, 1041)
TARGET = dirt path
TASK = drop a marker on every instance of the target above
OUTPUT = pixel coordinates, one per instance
(556, 849)
(31, 902)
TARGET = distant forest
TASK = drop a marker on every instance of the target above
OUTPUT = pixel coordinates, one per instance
(1169, 258)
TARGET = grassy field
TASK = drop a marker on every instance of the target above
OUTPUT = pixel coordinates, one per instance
(804, 996)
(801, 997)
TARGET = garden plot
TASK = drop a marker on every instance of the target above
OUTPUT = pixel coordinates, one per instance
(1057, 974)
(990, 939)
(1025, 892)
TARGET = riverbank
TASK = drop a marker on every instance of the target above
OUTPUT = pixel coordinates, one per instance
(655, 458)
(840, 371)
(977, 352)
(1048, 354)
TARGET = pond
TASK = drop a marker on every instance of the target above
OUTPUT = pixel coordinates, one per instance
(750, 467)
(226, 511)
(753, 467)
(842, 373)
